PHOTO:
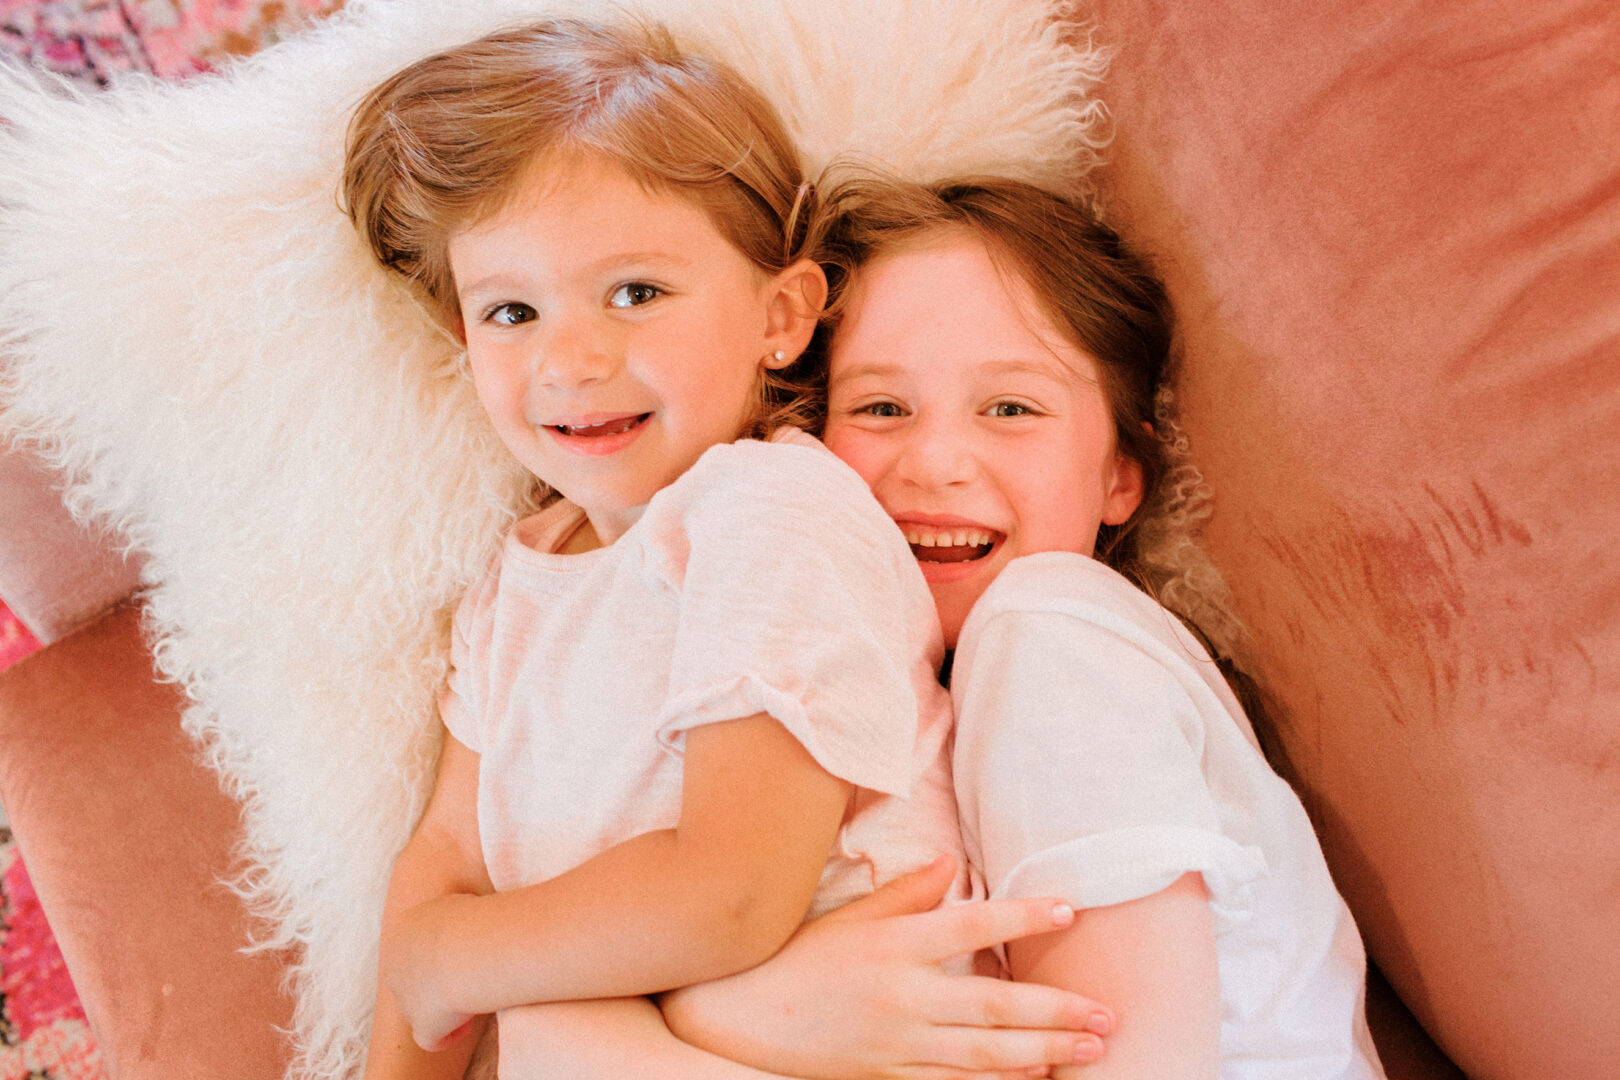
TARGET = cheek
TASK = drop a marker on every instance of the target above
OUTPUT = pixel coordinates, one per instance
(1058, 509)
(498, 392)
(857, 449)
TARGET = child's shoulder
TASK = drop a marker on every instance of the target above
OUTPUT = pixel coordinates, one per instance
(790, 477)
(1091, 597)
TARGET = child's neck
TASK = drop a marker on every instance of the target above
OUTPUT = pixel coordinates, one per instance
(581, 540)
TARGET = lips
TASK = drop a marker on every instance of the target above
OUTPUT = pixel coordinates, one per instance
(600, 436)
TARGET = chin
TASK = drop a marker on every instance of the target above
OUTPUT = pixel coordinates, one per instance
(953, 612)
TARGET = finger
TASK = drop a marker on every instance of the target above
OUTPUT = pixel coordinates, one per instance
(909, 894)
(978, 1001)
(945, 1072)
(451, 1039)
(992, 1049)
(965, 928)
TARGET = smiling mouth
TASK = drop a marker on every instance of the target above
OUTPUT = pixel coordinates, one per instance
(596, 431)
(931, 545)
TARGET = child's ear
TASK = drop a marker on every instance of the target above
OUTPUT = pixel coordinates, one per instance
(795, 298)
(1124, 489)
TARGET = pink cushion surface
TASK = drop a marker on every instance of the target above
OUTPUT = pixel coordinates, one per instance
(126, 837)
(54, 574)
(1393, 237)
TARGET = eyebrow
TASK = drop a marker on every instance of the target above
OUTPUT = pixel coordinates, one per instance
(993, 367)
(504, 280)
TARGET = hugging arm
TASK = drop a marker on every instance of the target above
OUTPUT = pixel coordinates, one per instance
(860, 993)
(718, 893)
(856, 993)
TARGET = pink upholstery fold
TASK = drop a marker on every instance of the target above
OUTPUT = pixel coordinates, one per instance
(127, 837)
(1392, 233)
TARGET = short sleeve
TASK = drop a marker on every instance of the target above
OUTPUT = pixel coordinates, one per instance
(461, 699)
(793, 603)
(1078, 767)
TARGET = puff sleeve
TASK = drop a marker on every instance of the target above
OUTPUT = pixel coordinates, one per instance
(461, 699)
(793, 602)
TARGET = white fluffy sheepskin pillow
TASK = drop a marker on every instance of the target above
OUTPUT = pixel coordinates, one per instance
(191, 328)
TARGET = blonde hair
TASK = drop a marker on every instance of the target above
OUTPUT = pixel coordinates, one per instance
(443, 143)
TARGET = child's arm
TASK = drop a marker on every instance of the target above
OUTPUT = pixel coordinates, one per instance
(441, 858)
(860, 992)
(718, 893)
(606, 1040)
(1153, 959)
(856, 993)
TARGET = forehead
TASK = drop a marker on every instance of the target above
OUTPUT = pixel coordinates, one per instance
(568, 208)
(571, 185)
(944, 301)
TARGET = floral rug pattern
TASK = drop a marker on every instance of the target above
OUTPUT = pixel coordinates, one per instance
(95, 40)
(43, 1034)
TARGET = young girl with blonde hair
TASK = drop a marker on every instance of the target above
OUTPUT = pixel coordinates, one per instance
(705, 663)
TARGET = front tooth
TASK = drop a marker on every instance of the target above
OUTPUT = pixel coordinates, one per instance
(928, 540)
(912, 538)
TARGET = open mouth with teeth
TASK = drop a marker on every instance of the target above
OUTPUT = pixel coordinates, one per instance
(932, 545)
(596, 431)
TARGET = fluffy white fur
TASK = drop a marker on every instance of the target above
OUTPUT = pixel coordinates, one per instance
(193, 331)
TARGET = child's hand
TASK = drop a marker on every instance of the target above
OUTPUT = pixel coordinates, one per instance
(431, 1032)
(860, 993)
(407, 963)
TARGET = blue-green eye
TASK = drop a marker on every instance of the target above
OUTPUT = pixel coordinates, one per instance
(511, 314)
(1009, 408)
(634, 294)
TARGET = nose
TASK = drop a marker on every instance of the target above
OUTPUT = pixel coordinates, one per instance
(570, 354)
(935, 454)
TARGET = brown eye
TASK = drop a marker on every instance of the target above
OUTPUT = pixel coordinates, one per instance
(511, 314)
(1009, 408)
(634, 294)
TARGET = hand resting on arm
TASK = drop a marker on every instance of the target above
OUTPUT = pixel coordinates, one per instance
(860, 993)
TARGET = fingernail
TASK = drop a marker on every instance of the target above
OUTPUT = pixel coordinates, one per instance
(1062, 914)
(1100, 1022)
(1087, 1050)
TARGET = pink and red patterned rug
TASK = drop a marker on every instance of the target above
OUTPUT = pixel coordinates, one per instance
(95, 40)
(43, 1034)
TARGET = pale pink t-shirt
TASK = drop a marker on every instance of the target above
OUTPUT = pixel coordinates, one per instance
(766, 579)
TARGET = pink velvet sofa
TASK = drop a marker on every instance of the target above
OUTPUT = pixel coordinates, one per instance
(1392, 233)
